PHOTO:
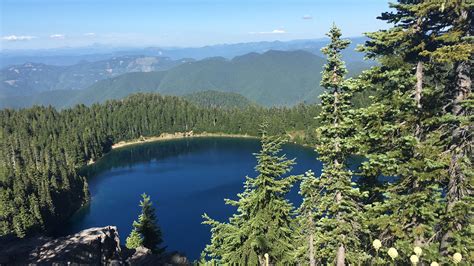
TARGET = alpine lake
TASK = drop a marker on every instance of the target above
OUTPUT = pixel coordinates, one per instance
(185, 179)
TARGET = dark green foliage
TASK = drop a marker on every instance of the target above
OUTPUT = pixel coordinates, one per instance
(145, 231)
(217, 99)
(263, 222)
(39, 182)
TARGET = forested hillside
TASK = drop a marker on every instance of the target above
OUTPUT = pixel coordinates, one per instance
(42, 149)
(217, 99)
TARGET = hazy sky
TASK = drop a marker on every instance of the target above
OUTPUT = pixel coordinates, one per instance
(59, 23)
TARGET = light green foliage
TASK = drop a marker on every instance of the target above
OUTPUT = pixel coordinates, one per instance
(134, 240)
(263, 222)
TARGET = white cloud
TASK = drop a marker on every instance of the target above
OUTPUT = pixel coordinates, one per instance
(89, 34)
(57, 36)
(14, 38)
(277, 31)
(307, 17)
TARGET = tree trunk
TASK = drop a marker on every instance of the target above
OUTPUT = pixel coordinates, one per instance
(455, 193)
(312, 261)
(419, 84)
(341, 251)
(262, 260)
(341, 256)
(463, 86)
(457, 178)
(335, 105)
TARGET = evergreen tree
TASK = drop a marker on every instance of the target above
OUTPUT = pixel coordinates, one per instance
(263, 222)
(397, 131)
(146, 231)
(307, 219)
(339, 224)
(409, 39)
(452, 24)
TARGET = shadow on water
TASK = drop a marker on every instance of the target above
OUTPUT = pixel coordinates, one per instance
(128, 156)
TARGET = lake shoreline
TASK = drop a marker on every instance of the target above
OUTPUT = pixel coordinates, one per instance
(177, 135)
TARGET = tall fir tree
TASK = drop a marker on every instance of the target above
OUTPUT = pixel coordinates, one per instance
(398, 133)
(263, 222)
(338, 210)
(451, 22)
(145, 231)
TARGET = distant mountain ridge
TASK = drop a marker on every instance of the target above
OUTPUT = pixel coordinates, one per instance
(31, 78)
(70, 56)
(274, 78)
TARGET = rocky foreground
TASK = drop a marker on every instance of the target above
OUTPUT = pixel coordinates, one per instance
(94, 246)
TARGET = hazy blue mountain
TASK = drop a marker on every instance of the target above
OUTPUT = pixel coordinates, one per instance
(65, 55)
(274, 78)
(97, 52)
(31, 78)
(232, 50)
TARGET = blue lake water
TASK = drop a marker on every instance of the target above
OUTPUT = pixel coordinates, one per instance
(185, 178)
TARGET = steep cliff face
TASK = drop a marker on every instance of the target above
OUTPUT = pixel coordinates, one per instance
(94, 246)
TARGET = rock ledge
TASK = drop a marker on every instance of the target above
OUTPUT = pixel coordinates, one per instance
(93, 246)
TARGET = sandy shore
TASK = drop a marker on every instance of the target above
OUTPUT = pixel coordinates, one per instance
(177, 135)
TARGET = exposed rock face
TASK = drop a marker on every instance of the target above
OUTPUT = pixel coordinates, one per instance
(94, 246)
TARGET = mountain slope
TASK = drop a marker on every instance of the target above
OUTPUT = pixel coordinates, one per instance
(31, 78)
(274, 78)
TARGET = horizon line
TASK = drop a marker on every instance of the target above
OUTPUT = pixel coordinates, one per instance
(129, 46)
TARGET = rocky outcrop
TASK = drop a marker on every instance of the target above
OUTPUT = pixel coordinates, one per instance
(94, 246)
(144, 256)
